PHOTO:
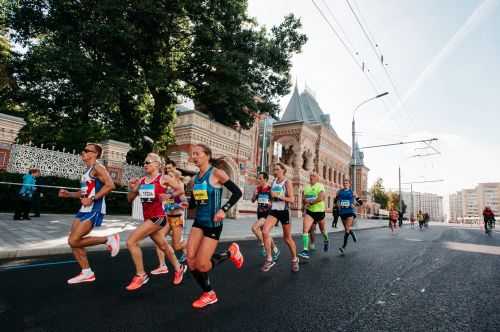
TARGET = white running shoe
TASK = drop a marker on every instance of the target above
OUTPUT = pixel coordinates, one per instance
(82, 278)
(160, 270)
(113, 244)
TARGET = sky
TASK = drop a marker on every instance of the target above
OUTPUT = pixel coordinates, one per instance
(443, 58)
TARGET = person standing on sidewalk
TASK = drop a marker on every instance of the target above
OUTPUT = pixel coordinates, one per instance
(347, 201)
(335, 212)
(150, 190)
(314, 203)
(37, 195)
(282, 196)
(25, 195)
(263, 197)
(207, 227)
(95, 184)
(420, 219)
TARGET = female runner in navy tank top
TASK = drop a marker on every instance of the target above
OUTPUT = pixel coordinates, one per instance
(207, 227)
(150, 190)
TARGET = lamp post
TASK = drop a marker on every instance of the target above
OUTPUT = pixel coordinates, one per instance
(353, 161)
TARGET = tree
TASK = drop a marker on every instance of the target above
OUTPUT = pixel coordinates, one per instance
(117, 68)
(378, 193)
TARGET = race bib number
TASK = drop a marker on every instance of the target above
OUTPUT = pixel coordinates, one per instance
(147, 192)
(200, 192)
(263, 199)
(345, 203)
(310, 198)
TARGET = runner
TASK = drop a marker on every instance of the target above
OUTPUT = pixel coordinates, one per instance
(263, 197)
(207, 226)
(347, 200)
(314, 202)
(96, 183)
(150, 190)
(420, 219)
(282, 195)
(393, 218)
(412, 221)
(174, 204)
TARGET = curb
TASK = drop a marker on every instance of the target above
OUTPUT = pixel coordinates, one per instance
(147, 243)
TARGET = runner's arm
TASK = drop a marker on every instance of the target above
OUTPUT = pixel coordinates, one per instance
(289, 198)
(236, 193)
(102, 174)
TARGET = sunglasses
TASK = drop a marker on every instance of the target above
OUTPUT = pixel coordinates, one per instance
(87, 151)
(147, 162)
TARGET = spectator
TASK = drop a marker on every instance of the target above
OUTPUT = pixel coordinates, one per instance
(37, 195)
(25, 195)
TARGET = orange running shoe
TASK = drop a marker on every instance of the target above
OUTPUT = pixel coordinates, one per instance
(236, 256)
(137, 282)
(205, 299)
(179, 275)
(162, 269)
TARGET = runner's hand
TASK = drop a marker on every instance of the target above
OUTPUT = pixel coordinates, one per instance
(219, 216)
(63, 193)
(86, 201)
(133, 184)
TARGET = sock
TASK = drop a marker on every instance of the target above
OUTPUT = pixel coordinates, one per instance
(202, 279)
(87, 272)
(325, 236)
(346, 237)
(275, 249)
(108, 240)
(220, 257)
(305, 241)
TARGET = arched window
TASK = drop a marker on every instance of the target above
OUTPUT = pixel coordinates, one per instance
(324, 172)
(330, 174)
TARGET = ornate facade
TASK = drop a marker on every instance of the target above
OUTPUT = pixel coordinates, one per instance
(304, 140)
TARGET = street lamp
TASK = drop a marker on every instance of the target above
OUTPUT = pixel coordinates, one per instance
(353, 162)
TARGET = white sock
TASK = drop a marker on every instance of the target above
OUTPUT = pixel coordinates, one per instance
(109, 239)
(87, 272)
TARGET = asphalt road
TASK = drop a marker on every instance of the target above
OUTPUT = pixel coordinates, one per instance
(436, 280)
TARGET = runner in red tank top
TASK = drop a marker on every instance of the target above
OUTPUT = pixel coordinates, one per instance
(150, 190)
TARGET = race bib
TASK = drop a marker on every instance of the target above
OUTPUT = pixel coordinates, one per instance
(147, 192)
(278, 190)
(200, 192)
(345, 203)
(310, 198)
(263, 199)
(83, 189)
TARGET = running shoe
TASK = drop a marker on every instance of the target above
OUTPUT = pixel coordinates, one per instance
(236, 256)
(326, 245)
(82, 278)
(353, 236)
(312, 247)
(179, 275)
(137, 282)
(163, 269)
(263, 251)
(267, 265)
(113, 244)
(276, 255)
(205, 299)
(341, 251)
(304, 254)
(295, 265)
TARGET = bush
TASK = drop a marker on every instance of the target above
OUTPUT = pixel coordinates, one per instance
(50, 202)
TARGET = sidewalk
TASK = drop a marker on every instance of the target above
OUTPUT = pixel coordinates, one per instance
(47, 235)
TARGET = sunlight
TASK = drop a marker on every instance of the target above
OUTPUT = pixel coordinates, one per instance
(477, 248)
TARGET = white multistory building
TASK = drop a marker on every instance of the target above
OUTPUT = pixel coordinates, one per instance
(466, 206)
(425, 202)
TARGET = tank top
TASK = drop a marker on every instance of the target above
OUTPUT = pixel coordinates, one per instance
(346, 200)
(280, 189)
(149, 193)
(89, 186)
(263, 199)
(173, 202)
(208, 199)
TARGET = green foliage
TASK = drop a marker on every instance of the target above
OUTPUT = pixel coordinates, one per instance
(378, 193)
(117, 68)
(50, 202)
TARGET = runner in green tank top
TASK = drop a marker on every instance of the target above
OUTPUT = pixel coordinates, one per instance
(314, 203)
